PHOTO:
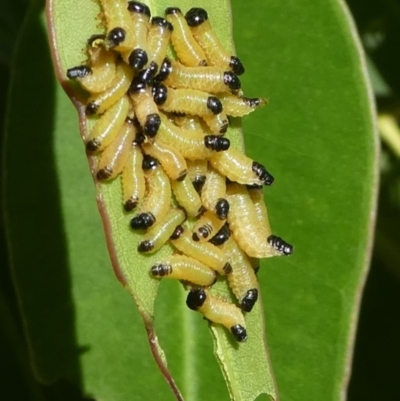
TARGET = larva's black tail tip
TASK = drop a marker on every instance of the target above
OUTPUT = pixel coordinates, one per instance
(78, 72)
(130, 204)
(280, 245)
(145, 246)
(239, 332)
(196, 16)
(196, 298)
(249, 300)
(261, 172)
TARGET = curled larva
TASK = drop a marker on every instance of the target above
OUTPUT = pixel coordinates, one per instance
(133, 182)
(145, 109)
(197, 19)
(115, 156)
(100, 102)
(257, 196)
(172, 161)
(99, 74)
(205, 252)
(213, 194)
(218, 311)
(187, 101)
(137, 54)
(120, 36)
(108, 125)
(207, 226)
(239, 106)
(197, 170)
(242, 279)
(181, 267)
(207, 79)
(159, 233)
(188, 122)
(238, 167)
(187, 196)
(190, 144)
(186, 48)
(158, 197)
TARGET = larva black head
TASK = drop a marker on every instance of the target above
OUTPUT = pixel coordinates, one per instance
(149, 163)
(221, 236)
(140, 8)
(104, 173)
(145, 246)
(138, 59)
(147, 74)
(177, 232)
(222, 209)
(152, 124)
(262, 173)
(198, 182)
(91, 108)
(280, 245)
(239, 332)
(214, 104)
(139, 138)
(162, 22)
(94, 38)
(160, 93)
(165, 70)
(249, 300)
(93, 145)
(78, 72)
(232, 81)
(137, 85)
(142, 221)
(116, 36)
(216, 142)
(130, 204)
(196, 16)
(173, 10)
(161, 270)
(236, 65)
(196, 298)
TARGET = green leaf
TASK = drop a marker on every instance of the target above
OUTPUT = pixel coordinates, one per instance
(80, 324)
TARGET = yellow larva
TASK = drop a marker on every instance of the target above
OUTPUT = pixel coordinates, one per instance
(257, 196)
(197, 170)
(159, 233)
(172, 161)
(181, 267)
(238, 167)
(218, 123)
(218, 311)
(145, 109)
(99, 74)
(239, 106)
(100, 102)
(208, 79)
(133, 182)
(187, 101)
(197, 19)
(187, 196)
(242, 279)
(213, 194)
(115, 156)
(205, 252)
(158, 197)
(221, 236)
(137, 55)
(190, 144)
(188, 122)
(207, 226)
(108, 125)
(120, 36)
(186, 48)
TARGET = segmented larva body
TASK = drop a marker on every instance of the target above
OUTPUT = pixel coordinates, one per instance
(218, 311)
(108, 125)
(238, 167)
(239, 106)
(181, 267)
(187, 196)
(257, 196)
(133, 182)
(98, 103)
(242, 279)
(197, 170)
(172, 161)
(213, 194)
(218, 123)
(207, 226)
(186, 48)
(206, 253)
(159, 233)
(197, 19)
(188, 122)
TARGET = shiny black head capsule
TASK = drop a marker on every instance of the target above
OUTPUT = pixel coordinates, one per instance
(149, 162)
(173, 10)
(142, 221)
(198, 182)
(148, 74)
(140, 8)
(145, 246)
(160, 93)
(152, 124)
(196, 298)
(216, 142)
(177, 232)
(262, 173)
(130, 204)
(78, 72)
(222, 209)
(280, 245)
(232, 81)
(239, 332)
(196, 16)
(221, 236)
(137, 85)
(214, 104)
(162, 22)
(236, 65)
(249, 300)
(116, 36)
(165, 70)
(91, 108)
(138, 59)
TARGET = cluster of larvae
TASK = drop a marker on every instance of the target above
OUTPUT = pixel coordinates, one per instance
(160, 124)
